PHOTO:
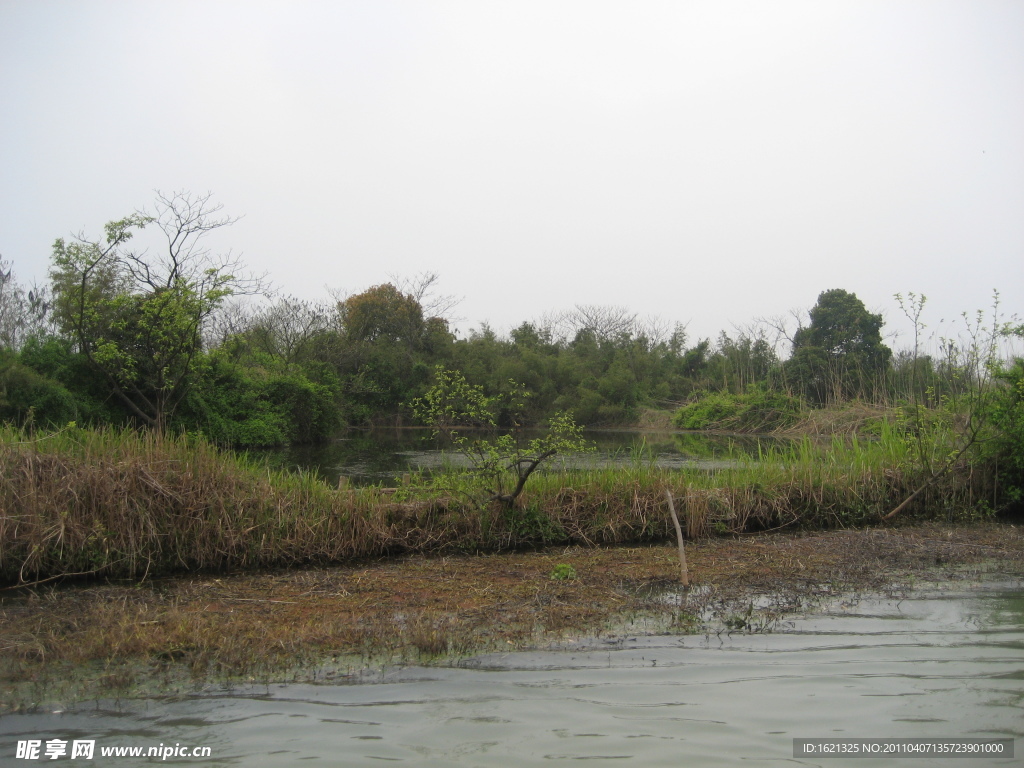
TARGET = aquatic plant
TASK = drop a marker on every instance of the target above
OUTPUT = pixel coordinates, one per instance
(563, 572)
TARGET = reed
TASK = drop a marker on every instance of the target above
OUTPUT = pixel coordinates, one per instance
(126, 504)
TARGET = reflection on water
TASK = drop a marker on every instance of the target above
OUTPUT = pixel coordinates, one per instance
(944, 664)
(381, 455)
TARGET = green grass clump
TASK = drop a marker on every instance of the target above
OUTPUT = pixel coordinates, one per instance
(759, 410)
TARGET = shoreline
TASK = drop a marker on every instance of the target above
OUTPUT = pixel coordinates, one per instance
(342, 624)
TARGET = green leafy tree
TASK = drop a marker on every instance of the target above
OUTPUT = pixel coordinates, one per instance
(386, 349)
(250, 406)
(503, 463)
(138, 318)
(840, 355)
(383, 313)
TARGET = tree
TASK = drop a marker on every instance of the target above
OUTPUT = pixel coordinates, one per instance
(422, 288)
(288, 329)
(840, 354)
(1007, 414)
(604, 322)
(386, 349)
(383, 313)
(12, 307)
(980, 409)
(22, 313)
(138, 318)
(502, 463)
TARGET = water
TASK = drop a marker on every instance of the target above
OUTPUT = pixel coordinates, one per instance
(380, 456)
(949, 663)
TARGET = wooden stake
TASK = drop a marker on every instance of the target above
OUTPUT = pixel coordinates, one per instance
(684, 576)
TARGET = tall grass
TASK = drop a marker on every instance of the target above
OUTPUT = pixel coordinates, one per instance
(809, 483)
(126, 504)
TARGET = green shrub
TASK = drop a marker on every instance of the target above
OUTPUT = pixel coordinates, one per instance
(756, 410)
(28, 397)
(248, 407)
(1007, 415)
(711, 410)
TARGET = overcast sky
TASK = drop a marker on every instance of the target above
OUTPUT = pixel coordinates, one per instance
(704, 162)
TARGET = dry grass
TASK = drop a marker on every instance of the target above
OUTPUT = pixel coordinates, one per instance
(93, 640)
(127, 505)
(849, 418)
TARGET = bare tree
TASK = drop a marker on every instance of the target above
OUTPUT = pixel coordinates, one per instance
(12, 307)
(287, 328)
(233, 318)
(186, 220)
(785, 327)
(423, 288)
(22, 313)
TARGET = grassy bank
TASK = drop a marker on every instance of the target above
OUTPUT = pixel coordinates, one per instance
(125, 504)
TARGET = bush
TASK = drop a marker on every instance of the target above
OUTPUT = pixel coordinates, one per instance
(56, 361)
(307, 407)
(1007, 415)
(248, 407)
(27, 397)
(756, 410)
(710, 411)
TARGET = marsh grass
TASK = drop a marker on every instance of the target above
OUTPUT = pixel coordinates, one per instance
(171, 636)
(126, 504)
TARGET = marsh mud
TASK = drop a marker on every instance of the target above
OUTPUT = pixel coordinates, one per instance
(67, 643)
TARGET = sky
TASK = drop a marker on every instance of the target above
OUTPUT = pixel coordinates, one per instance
(703, 162)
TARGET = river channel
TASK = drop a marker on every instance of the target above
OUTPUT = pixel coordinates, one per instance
(941, 663)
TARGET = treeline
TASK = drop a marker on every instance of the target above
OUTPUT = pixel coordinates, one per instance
(178, 338)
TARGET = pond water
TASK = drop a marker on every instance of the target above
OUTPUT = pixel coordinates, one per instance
(948, 663)
(380, 456)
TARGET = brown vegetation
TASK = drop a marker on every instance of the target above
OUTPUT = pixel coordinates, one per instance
(126, 505)
(58, 644)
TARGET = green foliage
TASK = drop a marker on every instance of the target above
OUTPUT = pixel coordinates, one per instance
(383, 312)
(709, 411)
(56, 360)
(501, 463)
(601, 377)
(29, 398)
(247, 407)
(1007, 416)
(757, 410)
(840, 355)
(138, 320)
(386, 350)
(563, 572)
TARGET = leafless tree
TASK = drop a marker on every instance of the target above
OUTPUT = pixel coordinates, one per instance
(233, 318)
(785, 327)
(423, 288)
(185, 220)
(22, 313)
(12, 303)
(286, 328)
